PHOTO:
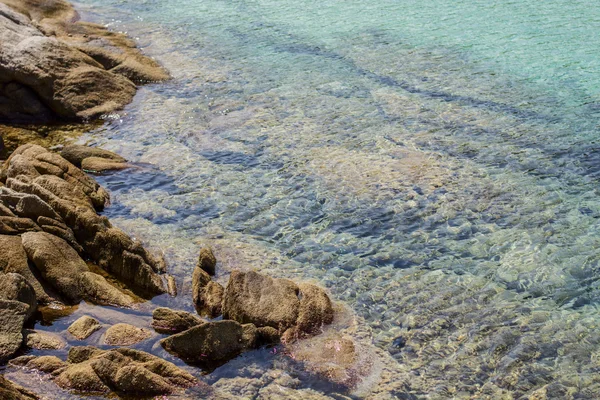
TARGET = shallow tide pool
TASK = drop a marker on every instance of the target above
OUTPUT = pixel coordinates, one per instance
(434, 164)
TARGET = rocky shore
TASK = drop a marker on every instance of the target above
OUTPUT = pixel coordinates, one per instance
(57, 251)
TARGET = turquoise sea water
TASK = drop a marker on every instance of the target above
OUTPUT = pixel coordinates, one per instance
(434, 164)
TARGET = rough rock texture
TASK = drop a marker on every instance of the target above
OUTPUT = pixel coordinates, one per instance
(61, 267)
(84, 327)
(207, 261)
(14, 259)
(165, 320)
(213, 342)
(47, 364)
(125, 335)
(68, 199)
(293, 310)
(206, 294)
(43, 340)
(97, 164)
(57, 68)
(119, 371)
(75, 154)
(11, 391)
(12, 317)
(15, 287)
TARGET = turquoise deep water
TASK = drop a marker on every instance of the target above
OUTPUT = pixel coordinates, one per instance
(434, 164)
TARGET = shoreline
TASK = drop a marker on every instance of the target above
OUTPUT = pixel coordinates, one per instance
(345, 376)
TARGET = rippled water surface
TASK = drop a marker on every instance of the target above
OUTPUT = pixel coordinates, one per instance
(434, 164)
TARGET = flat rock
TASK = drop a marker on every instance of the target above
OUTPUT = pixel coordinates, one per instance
(40, 340)
(167, 321)
(75, 154)
(84, 327)
(97, 164)
(213, 342)
(125, 335)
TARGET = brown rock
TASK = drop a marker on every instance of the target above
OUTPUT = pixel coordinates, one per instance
(75, 154)
(267, 335)
(47, 364)
(11, 391)
(12, 317)
(165, 320)
(254, 298)
(315, 311)
(206, 294)
(15, 287)
(97, 164)
(213, 342)
(84, 327)
(40, 340)
(207, 261)
(97, 289)
(17, 226)
(125, 335)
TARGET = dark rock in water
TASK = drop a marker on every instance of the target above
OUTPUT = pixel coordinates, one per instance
(207, 261)
(261, 300)
(125, 335)
(14, 259)
(165, 320)
(15, 287)
(120, 371)
(12, 317)
(84, 327)
(11, 391)
(207, 294)
(267, 335)
(213, 342)
(75, 154)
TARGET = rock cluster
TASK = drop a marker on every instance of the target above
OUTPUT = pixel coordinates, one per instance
(55, 67)
(121, 371)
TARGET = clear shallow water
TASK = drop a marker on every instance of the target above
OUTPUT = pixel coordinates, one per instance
(433, 164)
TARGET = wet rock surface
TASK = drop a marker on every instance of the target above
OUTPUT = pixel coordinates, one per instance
(167, 321)
(55, 67)
(11, 391)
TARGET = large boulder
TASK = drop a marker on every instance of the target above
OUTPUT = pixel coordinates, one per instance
(15, 287)
(211, 343)
(123, 372)
(294, 310)
(167, 321)
(14, 259)
(62, 268)
(13, 315)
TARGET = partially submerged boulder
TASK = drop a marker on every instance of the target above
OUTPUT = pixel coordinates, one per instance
(125, 335)
(165, 320)
(84, 327)
(125, 372)
(210, 343)
(294, 310)
(40, 340)
(12, 391)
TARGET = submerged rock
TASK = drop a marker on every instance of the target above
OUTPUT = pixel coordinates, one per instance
(213, 342)
(84, 327)
(119, 371)
(12, 391)
(125, 335)
(165, 320)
